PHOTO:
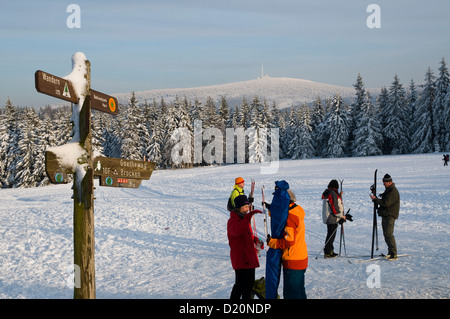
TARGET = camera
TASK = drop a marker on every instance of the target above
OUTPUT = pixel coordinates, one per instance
(347, 216)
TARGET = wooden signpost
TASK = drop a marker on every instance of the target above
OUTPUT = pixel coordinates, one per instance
(55, 86)
(76, 158)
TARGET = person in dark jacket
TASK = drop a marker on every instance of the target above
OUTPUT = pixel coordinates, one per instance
(334, 200)
(388, 209)
(243, 253)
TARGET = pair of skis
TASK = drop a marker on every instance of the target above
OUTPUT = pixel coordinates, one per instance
(255, 233)
(375, 207)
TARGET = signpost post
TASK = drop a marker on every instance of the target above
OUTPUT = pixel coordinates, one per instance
(76, 158)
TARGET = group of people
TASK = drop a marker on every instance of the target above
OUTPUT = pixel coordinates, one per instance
(244, 242)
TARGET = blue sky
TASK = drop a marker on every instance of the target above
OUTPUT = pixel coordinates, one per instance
(143, 45)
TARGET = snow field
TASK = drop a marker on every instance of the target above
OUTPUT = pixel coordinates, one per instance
(168, 238)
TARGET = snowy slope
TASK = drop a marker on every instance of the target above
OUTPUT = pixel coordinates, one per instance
(167, 239)
(284, 91)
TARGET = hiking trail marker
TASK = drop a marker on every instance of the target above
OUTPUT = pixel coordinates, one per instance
(76, 158)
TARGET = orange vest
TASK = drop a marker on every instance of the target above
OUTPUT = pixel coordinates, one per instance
(295, 252)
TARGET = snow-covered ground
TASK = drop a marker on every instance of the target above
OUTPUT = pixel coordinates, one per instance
(168, 239)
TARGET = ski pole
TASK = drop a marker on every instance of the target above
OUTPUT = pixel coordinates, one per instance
(264, 211)
(252, 190)
(342, 238)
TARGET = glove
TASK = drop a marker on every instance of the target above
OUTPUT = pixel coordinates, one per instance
(259, 243)
(267, 205)
(268, 239)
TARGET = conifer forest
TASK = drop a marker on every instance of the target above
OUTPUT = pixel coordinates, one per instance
(400, 119)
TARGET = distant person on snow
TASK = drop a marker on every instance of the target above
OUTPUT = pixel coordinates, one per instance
(333, 213)
(243, 253)
(445, 159)
(389, 207)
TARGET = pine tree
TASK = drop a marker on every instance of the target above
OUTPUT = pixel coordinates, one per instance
(439, 105)
(423, 136)
(289, 134)
(183, 123)
(396, 131)
(368, 138)
(259, 122)
(412, 100)
(356, 108)
(317, 117)
(245, 114)
(382, 105)
(304, 147)
(224, 114)
(112, 143)
(446, 116)
(27, 150)
(133, 132)
(9, 144)
(337, 122)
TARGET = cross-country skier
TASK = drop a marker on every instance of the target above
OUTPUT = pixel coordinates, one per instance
(243, 253)
(334, 202)
(389, 207)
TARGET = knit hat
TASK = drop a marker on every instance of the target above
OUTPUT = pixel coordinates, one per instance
(333, 184)
(387, 178)
(238, 180)
(240, 201)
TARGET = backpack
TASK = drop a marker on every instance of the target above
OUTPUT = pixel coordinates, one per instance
(326, 210)
(328, 217)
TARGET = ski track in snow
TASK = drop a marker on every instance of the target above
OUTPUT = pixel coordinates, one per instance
(168, 238)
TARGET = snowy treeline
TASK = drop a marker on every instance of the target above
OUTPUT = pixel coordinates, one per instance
(398, 121)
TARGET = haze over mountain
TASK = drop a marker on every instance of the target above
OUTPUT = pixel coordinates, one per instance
(284, 91)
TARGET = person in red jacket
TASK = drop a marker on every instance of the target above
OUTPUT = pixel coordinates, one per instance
(243, 253)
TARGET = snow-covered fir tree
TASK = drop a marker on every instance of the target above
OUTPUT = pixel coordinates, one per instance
(446, 116)
(337, 123)
(412, 99)
(368, 138)
(26, 156)
(396, 130)
(133, 132)
(356, 107)
(423, 134)
(317, 116)
(439, 108)
(301, 143)
(382, 103)
(9, 144)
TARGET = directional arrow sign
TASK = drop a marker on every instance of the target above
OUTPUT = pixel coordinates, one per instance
(123, 168)
(103, 102)
(56, 172)
(54, 86)
(113, 181)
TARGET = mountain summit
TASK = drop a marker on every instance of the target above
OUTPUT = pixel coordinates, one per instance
(283, 91)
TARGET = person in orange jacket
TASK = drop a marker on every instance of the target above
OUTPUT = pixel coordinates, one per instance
(295, 252)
